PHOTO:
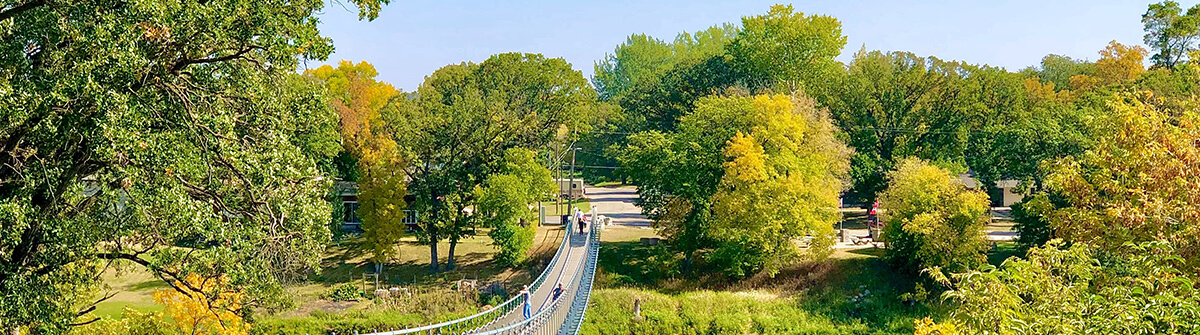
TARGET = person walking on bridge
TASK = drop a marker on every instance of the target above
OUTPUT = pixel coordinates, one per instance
(557, 292)
(579, 220)
(525, 306)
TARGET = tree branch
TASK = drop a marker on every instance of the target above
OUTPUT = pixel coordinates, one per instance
(157, 271)
(5, 15)
(185, 62)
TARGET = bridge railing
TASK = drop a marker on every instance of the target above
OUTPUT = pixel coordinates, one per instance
(483, 319)
(553, 318)
(583, 295)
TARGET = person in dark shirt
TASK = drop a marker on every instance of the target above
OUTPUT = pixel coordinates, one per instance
(558, 291)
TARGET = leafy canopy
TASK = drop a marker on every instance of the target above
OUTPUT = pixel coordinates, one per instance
(456, 128)
(1138, 183)
(507, 203)
(1171, 32)
(173, 135)
(781, 183)
(1078, 290)
(743, 176)
(931, 219)
(369, 153)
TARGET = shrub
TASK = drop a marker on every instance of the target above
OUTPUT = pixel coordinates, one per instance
(344, 292)
(932, 219)
(1079, 290)
(1030, 215)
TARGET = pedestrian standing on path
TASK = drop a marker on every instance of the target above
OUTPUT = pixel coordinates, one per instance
(525, 306)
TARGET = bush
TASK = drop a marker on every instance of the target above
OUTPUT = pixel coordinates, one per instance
(1080, 290)
(1033, 228)
(344, 292)
(932, 219)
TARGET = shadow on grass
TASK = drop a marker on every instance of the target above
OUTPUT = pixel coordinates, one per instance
(346, 264)
(1002, 251)
(874, 252)
(148, 285)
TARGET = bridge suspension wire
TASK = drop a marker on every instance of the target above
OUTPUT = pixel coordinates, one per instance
(483, 319)
(561, 318)
(562, 315)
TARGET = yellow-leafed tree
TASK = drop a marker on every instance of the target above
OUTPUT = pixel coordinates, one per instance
(204, 306)
(931, 219)
(782, 177)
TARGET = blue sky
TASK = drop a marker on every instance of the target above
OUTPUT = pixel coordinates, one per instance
(411, 39)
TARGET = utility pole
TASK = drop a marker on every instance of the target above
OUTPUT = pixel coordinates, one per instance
(557, 162)
(571, 180)
(558, 184)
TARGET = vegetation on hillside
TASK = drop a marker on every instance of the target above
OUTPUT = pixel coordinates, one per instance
(176, 140)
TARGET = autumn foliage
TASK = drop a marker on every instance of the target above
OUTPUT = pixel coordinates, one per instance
(1140, 183)
(204, 306)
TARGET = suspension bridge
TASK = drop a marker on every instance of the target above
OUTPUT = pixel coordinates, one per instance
(573, 266)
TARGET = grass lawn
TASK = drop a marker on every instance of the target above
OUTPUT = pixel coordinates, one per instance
(553, 211)
(853, 292)
(342, 263)
(134, 288)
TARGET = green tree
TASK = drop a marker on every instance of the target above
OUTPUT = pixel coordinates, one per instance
(638, 61)
(931, 219)
(1059, 69)
(781, 183)
(1078, 290)
(507, 203)
(689, 180)
(1137, 183)
(173, 135)
(455, 130)
(1170, 32)
(788, 49)
(897, 105)
(642, 60)
(652, 83)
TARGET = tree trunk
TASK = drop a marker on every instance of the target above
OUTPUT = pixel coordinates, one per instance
(687, 262)
(450, 257)
(433, 255)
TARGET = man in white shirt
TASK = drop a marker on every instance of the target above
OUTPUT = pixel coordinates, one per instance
(579, 220)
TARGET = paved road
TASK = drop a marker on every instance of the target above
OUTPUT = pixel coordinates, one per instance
(617, 203)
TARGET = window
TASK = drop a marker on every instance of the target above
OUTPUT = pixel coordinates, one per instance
(351, 215)
(410, 217)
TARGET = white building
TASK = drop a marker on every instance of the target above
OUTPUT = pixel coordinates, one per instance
(1009, 191)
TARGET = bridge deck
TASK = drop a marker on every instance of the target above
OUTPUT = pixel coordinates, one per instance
(564, 272)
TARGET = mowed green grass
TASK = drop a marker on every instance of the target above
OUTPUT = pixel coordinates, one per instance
(133, 287)
(553, 210)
